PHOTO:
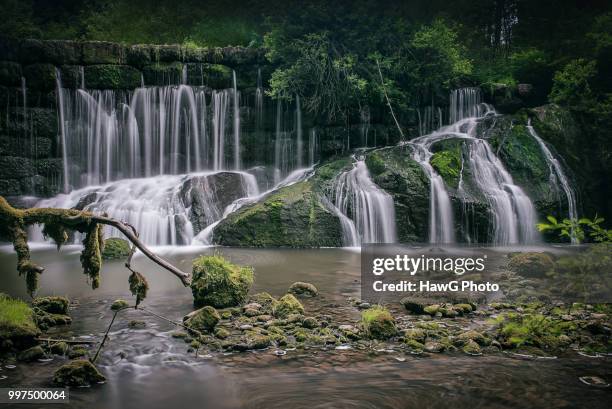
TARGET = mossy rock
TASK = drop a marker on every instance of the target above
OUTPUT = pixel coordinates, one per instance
(115, 249)
(301, 288)
(288, 305)
(77, 373)
(112, 77)
(293, 216)
(31, 354)
(77, 352)
(471, 348)
(119, 305)
(394, 170)
(531, 264)
(219, 283)
(103, 52)
(266, 301)
(204, 319)
(18, 329)
(378, 323)
(59, 348)
(40, 76)
(52, 304)
(447, 161)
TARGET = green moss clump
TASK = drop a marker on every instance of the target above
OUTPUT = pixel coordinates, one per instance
(301, 288)
(515, 330)
(375, 163)
(448, 165)
(52, 304)
(17, 325)
(288, 305)
(204, 319)
(119, 305)
(91, 256)
(115, 248)
(77, 373)
(219, 283)
(535, 264)
(378, 323)
(112, 77)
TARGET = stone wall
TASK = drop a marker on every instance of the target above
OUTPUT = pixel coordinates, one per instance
(30, 156)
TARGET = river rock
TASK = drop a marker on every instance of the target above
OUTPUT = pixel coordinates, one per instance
(115, 249)
(52, 304)
(203, 319)
(531, 264)
(287, 305)
(434, 346)
(219, 283)
(77, 373)
(471, 347)
(31, 354)
(305, 289)
(378, 323)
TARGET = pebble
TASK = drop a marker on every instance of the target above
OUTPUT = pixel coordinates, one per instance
(245, 327)
(280, 352)
(343, 347)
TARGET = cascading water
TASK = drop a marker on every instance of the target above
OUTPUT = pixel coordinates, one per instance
(557, 177)
(298, 131)
(164, 209)
(236, 99)
(513, 214)
(370, 208)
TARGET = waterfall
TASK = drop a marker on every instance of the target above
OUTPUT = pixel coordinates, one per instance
(236, 99)
(259, 100)
(161, 208)
(557, 176)
(312, 146)
(298, 131)
(513, 214)
(370, 208)
(62, 126)
(108, 135)
(441, 224)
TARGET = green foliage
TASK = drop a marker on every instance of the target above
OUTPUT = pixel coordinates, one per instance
(582, 229)
(91, 256)
(571, 85)
(516, 330)
(115, 248)
(16, 318)
(448, 164)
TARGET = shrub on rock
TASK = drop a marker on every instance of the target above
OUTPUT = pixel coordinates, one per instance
(115, 248)
(219, 283)
(378, 323)
(288, 305)
(77, 373)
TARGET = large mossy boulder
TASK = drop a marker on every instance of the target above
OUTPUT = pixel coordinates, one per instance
(394, 170)
(531, 264)
(77, 373)
(115, 249)
(378, 323)
(288, 305)
(293, 216)
(204, 319)
(18, 328)
(219, 283)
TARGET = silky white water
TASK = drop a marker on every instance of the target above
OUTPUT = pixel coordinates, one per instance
(370, 208)
(557, 176)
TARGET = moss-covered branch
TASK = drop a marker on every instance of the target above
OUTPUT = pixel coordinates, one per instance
(56, 225)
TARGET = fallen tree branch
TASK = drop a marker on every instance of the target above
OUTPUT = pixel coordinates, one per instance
(56, 224)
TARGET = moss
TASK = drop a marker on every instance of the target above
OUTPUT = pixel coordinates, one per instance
(115, 248)
(77, 373)
(288, 305)
(293, 216)
(414, 345)
(31, 354)
(221, 333)
(91, 256)
(163, 73)
(119, 305)
(77, 352)
(375, 163)
(17, 325)
(531, 264)
(219, 283)
(138, 286)
(203, 319)
(471, 347)
(59, 348)
(52, 304)
(112, 77)
(378, 323)
(300, 288)
(515, 330)
(448, 164)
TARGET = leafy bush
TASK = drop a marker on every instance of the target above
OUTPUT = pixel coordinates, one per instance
(581, 229)
(571, 85)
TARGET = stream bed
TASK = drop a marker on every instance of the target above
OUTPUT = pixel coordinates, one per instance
(148, 368)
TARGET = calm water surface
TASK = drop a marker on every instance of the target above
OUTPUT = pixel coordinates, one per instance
(147, 368)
